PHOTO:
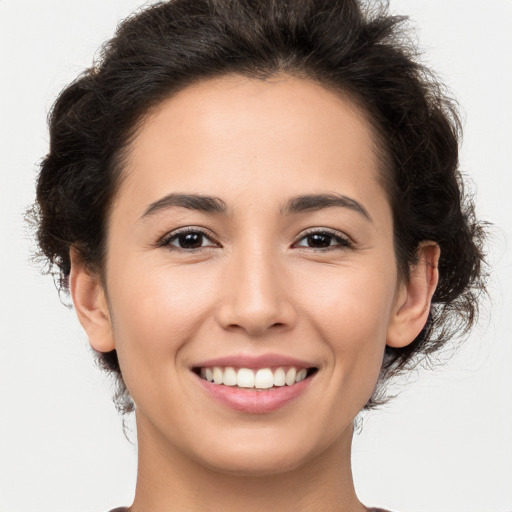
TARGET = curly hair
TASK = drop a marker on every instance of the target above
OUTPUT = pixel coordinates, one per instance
(357, 50)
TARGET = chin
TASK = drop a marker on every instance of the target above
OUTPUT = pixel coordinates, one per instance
(257, 462)
(267, 451)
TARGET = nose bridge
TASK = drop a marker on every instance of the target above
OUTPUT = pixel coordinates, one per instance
(255, 296)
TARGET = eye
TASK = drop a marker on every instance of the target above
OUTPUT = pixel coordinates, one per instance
(188, 239)
(323, 239)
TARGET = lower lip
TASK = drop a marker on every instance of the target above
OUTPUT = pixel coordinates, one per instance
(252, 401)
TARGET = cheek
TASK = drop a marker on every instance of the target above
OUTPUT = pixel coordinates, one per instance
(351, 309)
(353, 301)
(154, 315)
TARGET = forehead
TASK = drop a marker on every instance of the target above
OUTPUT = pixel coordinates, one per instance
(268, 136)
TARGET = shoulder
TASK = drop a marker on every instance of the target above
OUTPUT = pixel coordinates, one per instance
(124, 509)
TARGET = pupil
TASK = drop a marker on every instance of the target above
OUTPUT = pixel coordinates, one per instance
(191, 240)
(319, 240)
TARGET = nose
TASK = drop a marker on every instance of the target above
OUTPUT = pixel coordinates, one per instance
(256, 296)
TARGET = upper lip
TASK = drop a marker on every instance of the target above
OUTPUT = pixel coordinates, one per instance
(253, 361)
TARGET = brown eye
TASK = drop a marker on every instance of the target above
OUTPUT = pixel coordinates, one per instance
(319, 240)
(188, 240)
(323, 240)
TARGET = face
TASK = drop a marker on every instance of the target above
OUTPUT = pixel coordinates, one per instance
(250, 241)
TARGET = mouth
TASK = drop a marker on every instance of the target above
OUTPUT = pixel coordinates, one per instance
(256, 379)
(255, 384)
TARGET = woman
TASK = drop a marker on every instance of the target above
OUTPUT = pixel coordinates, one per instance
(257, 210)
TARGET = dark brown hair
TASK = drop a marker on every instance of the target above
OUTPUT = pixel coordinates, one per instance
(360, 51)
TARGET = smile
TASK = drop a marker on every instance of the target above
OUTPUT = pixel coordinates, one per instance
(255, 384)
(258, 379)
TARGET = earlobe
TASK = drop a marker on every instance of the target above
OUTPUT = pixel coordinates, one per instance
(414, 297)
(90, 304)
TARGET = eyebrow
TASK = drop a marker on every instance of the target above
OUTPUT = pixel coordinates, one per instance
(313, 202)
(299, 204)
(201, 203)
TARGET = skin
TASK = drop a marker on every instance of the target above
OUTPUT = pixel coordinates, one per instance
(255, 285)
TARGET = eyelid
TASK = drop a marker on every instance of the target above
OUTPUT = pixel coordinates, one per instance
(165, 240)
(347, 241)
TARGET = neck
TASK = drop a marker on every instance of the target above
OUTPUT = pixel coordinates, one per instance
(169, 481)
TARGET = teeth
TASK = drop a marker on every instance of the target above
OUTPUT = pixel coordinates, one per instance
(245, 378)
(279, 377)
(264, 378)
(217, 375)
(301, 375)
(290, 376)
(230, 377)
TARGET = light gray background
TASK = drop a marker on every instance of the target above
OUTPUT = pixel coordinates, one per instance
(444, 445)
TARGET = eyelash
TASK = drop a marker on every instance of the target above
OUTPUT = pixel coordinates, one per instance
(342, 241)
(174, 235)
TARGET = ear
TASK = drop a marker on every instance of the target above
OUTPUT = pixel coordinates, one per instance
(90, 304)
(414, 298)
